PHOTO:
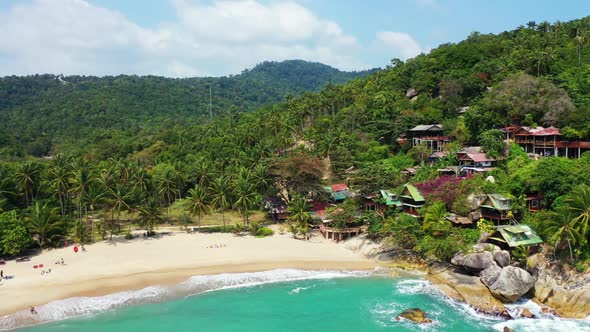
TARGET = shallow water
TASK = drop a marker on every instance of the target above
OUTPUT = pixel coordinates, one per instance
(278, 300)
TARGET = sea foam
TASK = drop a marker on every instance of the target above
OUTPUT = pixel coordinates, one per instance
(83, 306)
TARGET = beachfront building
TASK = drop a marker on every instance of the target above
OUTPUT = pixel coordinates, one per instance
(412, 200)
(276, 208)
(497, 208)
(546, 142)
(338, 192)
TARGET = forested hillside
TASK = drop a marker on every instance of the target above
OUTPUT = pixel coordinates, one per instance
(37, 112)
(535, 74)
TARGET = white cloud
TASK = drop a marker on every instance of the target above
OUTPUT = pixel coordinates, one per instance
(75, 37)
(400, 43)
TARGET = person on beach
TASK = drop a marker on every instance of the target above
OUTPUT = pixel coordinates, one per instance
(62, 261)
(33, 311)
(1, 274)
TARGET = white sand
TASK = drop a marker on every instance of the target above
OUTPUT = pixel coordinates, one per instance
(117, 265)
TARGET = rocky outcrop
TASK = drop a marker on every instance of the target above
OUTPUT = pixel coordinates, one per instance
(490, 275)
(467, 288)
(511, 284)
(502, 258)
(475, 262)
(411, 92)
(415, 315)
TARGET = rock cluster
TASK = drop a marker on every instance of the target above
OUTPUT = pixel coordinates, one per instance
(506, 283)
(415, 315)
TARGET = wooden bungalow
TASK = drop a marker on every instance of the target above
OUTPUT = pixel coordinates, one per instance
(473, 160)
(512, 236)
(277, 209)
(496, 207)
(432, 135)
(547, 142)
(535, 202)
(412, 200)
(392, 201)
(338, 192)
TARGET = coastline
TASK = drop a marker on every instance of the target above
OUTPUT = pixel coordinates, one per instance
(114, 266)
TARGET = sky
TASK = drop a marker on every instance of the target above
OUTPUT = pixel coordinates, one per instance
(184, 38)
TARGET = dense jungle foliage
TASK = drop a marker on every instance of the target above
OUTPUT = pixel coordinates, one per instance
(152, 155)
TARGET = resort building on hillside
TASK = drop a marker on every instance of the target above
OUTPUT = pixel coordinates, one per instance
(496, 207)
(431, 135)
(546, 141)
(392, 201)
(412, 200)
(473, 160)
(535, 202)
(516, 235)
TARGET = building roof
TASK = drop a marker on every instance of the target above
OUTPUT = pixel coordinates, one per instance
(339, 187)
(476, 157)
(494, 201)
(429, 127)
(519, 235)
(459, 220)
(551, 131)
(471, 149)
(341, 195)
(439, 154)
(388, 197)
(413, 192)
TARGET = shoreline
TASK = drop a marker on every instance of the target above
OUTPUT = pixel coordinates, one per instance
(133, 282)
(119, 265)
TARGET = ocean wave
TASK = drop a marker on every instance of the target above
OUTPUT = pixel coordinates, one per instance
(83, 306)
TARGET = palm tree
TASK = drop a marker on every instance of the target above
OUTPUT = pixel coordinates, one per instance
(120, 197)
(44, 222)
(150, 215)
(27, 179)
(435, 215)
(580, 40)
(578, 203)
(245, 196)
(199, 204)
(563, 229)
(299, 214)
(167, 188)
(81, 179)
(94, 196)
(220, 195)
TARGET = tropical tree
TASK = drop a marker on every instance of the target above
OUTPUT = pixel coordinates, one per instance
(150, 214)
(220, 198)
(564, 229)
(94, 196)
(199, 202)
(435, 217)
(578, 203)
(44, 222)
(299, 214)
(245, 195)
(27, 179)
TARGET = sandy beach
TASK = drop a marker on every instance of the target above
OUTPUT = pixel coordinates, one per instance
(111, 266)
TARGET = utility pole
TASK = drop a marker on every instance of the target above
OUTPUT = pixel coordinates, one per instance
(210, 104)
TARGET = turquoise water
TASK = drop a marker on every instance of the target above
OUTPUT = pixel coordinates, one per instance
(324, 301)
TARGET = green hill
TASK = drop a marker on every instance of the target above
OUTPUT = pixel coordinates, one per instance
(44, 108)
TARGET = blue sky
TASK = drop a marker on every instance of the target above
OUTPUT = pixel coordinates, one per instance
(180, 38)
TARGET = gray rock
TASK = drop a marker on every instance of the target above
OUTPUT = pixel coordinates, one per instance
(476, 261)
(511, 284)
(490, 275)
(415, 315)
(411, 92)
(502, 258)
(486, 247)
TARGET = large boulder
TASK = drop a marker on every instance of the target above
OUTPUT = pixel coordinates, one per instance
(511, 284)
(476, 261)
(490, 275)
(415, 315)
(502, 257)
(411, 92)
